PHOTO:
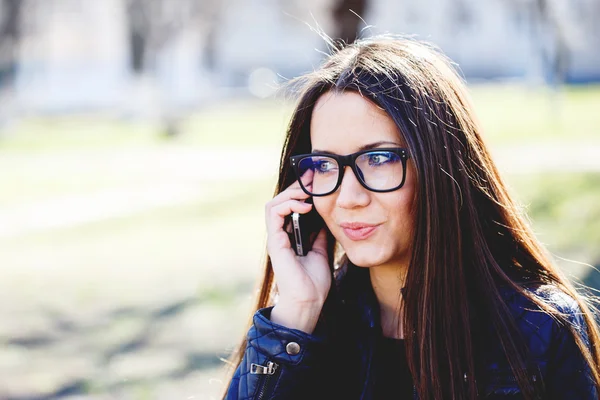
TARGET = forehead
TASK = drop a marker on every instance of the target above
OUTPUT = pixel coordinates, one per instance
(344, 122)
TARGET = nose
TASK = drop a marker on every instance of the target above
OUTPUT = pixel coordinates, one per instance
(351, 193)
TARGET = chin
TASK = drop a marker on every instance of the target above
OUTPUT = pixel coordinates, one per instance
(367, 256)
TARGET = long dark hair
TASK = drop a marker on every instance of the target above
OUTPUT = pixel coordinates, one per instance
(470, 237)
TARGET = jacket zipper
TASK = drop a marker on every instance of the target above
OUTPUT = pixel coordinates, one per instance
(268, 371)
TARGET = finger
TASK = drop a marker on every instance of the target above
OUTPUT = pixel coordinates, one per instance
(276, 214)
(307, 177)
(291, 193)
(276, 242)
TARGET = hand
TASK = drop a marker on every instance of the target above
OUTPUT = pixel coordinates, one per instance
(302, 282)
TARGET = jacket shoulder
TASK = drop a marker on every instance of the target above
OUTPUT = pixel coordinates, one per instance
(548, 335)
(550, 295)
(568, 375)
(543, 328)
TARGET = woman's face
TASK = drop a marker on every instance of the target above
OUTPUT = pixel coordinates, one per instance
(342, 124)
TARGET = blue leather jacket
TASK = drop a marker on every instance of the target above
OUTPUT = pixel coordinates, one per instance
(282, 363)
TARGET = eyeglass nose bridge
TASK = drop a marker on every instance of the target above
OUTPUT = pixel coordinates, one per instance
(350, 161)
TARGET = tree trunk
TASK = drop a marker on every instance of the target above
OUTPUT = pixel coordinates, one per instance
(346, 21)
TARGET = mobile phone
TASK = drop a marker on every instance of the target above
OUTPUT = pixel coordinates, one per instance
(302, 230)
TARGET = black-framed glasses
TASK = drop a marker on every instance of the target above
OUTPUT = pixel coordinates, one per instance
(378, 170)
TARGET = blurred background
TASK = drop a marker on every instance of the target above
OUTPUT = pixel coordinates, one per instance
(139, 142)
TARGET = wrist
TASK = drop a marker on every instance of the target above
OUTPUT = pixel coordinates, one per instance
(302, 317)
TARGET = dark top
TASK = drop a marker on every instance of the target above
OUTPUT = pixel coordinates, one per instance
(393, 379)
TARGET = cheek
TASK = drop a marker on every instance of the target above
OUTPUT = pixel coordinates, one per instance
(401, 214)
(324, 206)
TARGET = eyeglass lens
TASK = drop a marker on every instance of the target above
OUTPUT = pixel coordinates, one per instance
(378, 170)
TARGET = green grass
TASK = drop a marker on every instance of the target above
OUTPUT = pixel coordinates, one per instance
(225, 200)
(517, 114)
(242, 123)
(60, 133)
(564, 209)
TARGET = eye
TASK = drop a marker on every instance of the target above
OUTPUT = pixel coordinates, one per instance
(324, 166)
(378, 159)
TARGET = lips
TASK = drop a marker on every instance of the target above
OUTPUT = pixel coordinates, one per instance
(358, 230)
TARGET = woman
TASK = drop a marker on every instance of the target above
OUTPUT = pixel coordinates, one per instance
(426, 281)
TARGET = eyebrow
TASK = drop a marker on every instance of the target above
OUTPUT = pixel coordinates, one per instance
(368, 146)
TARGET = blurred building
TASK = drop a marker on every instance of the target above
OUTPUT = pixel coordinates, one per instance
(76, 55)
